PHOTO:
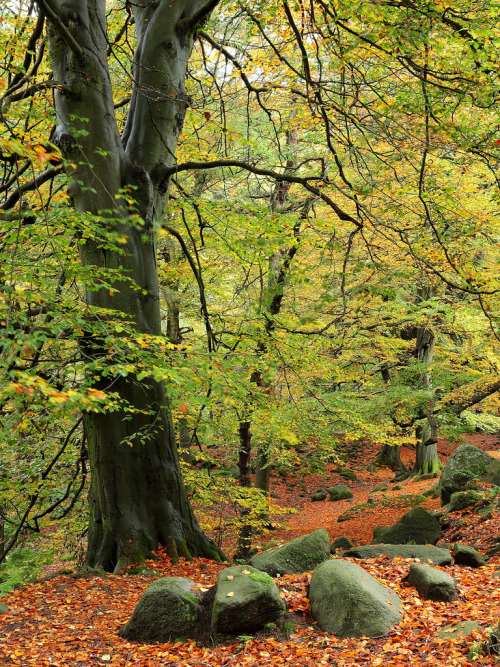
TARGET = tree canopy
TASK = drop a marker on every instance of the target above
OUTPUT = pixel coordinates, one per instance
(225, 224)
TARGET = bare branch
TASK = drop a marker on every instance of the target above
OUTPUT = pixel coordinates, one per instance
(35, 183)
(304, 181)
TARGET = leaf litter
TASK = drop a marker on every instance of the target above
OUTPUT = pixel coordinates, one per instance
(72, 620)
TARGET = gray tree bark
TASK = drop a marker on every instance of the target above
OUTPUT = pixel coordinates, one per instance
(137, 498)
(426, 457)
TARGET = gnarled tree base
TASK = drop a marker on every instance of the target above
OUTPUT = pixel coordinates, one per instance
(390, 456)
(137, 497)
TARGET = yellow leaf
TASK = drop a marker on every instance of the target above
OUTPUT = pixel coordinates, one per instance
(230, 594)
(230, 577)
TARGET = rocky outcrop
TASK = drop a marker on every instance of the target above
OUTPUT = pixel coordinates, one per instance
(341, 543)
(426, 554)
(169, 610)
(431, 583)
(340, 492)
(462, 499)
(465, 555)
(417, 526)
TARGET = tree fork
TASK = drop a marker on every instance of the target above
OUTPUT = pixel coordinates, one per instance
(137, 497)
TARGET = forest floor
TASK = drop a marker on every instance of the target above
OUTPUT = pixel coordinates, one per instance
(74, 621)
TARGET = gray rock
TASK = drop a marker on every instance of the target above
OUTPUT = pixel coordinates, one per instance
(426, 554)
(246, 599)
(347, 600)
(340, 492)
(300, 555)
(465, 555)
(169, 610)
(341, 543)
(467, 463)
(417, 526)
(431, 583)
(462, 499)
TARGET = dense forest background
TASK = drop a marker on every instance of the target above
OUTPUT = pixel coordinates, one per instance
(320, 242)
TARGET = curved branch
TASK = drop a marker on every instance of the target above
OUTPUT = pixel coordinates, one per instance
(304, 181)
(35, 183)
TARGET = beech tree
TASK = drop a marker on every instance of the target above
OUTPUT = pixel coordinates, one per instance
(137, 498)
(381, 95)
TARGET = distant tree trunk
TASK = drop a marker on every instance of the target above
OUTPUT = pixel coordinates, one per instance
(427, 457)
(246, 530)
(390, 455)
(278, 267)
(263, 468)
(137, 498)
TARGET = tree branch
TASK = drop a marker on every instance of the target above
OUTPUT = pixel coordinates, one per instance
(304, 181)
(35, 183)
(199, 15)
(58, 25)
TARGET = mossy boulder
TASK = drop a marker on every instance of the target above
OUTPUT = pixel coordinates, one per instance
(246, 600)
(347, 474)
(462, 499)
(169, 610)
(425, 553)
(383, 486)
(300, 555)
(340, 492)
(318, 496)
(466, 555)
(467, 463)
(378, 533)
(416, 526)
(341, 543)
(3, 608)
(345, 599)
(431, 583)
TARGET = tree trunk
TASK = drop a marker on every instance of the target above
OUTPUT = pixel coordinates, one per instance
(137, 498)
(278, 268)
(390, 455)
(246, 530)
(427, 458)
(262, 468)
